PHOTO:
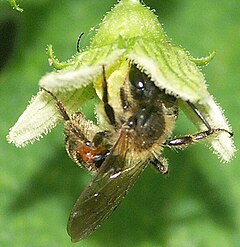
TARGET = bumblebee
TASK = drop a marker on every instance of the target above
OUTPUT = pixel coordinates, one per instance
(139, 124)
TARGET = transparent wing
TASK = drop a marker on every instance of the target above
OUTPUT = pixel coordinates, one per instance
(106, 190)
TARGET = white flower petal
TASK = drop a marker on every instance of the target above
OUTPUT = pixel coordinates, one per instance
(42, 115)
(221, 143)
(89, 70)
(73, 86)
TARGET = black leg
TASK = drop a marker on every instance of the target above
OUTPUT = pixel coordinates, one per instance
(108, 109)
(198, 113)
(59, 105)
(181, 142)
(123, 96)
(74, 129)
(163, 169)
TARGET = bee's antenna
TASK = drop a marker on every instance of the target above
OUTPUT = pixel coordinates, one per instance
(59, 105)
(78, 42)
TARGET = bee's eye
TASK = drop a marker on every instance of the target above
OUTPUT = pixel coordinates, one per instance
(137, 81)
(142, 88)
(140, 85)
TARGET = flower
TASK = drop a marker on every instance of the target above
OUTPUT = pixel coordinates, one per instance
(129, 33)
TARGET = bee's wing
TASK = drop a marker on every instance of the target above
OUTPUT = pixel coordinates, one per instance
(106, 190)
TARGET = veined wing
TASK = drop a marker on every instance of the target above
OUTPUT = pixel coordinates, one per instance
(107, 189)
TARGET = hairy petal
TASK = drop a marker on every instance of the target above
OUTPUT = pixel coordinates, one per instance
(170, 68)
(88, 68)
(221, 143)
(73, 86)
(42, 115)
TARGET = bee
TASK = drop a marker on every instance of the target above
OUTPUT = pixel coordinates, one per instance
(139, 130)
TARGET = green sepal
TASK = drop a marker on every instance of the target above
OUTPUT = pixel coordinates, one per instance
(54, 62)
(128, 19)
(86, 68)
(203, 61)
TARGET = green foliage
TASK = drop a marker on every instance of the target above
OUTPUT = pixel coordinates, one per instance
(197, 205)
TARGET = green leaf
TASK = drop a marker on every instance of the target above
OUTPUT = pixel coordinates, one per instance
(15, 5)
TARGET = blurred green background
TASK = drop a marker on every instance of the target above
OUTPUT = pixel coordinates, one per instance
(198, 204)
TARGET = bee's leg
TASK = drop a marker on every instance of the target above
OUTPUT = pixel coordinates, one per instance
(160, 164)
(108, 108)
(59, 105)
(89, 154)
(98, 159)
(181, 142)
(123, 96)
(63, 112)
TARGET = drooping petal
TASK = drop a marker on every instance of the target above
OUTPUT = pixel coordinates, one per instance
(88, 68)
(73, 86)
(170, 68)
(42, 115)
(221, 142)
